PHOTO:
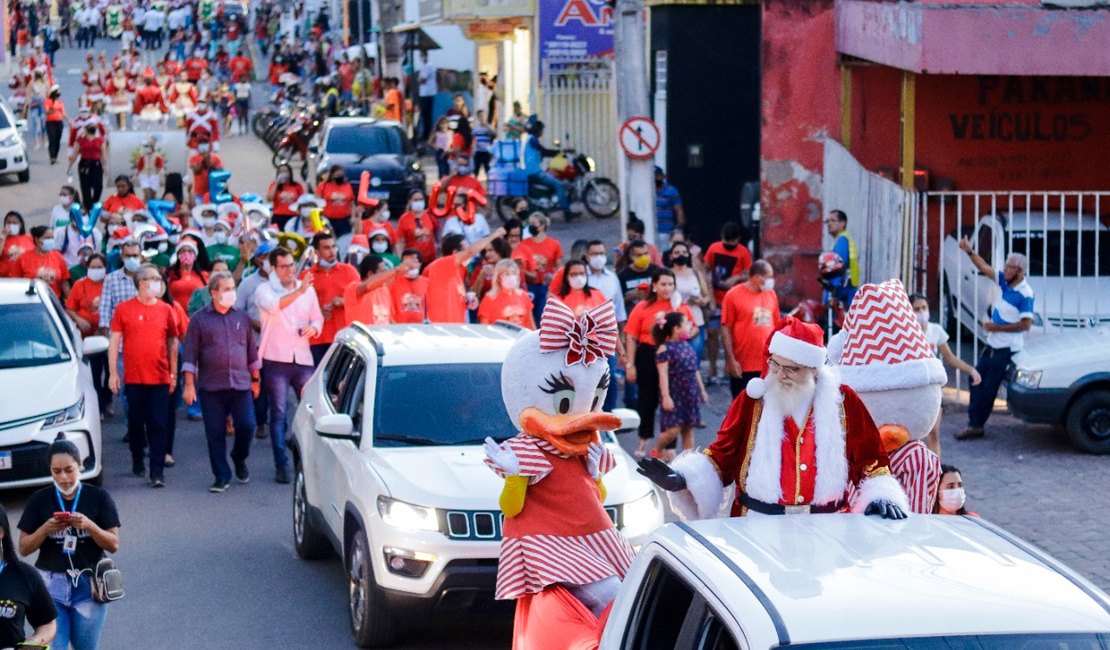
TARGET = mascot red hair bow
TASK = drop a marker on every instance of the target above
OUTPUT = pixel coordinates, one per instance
(587, 338)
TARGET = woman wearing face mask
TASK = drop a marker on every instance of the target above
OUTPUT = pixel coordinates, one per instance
(90, 525)
(952, 500)
(416, 229)
(283, 192)
(185, 275)
(545, 257)
(574, 289)
(640, 348)
(202, 297)
(375, 219)
(938, 341)
(481, 275)
(89, 152)
(44, 262)
(693, 288)
(382, 246)
(14, 241)
(83, 305)
(304, 225)
(506, 301)
(339, 198)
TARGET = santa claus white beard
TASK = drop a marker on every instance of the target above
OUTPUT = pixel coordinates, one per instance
(793, 399)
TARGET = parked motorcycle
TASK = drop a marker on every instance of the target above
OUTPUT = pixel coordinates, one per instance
(292, 148)
(585, 189)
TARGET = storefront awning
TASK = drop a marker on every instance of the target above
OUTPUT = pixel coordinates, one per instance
(415, 37)
(999, 39)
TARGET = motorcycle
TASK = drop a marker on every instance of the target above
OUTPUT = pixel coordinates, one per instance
(292, 148)
(585, 189)
(828, 313)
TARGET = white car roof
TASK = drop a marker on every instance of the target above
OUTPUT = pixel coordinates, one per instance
(851, 577)
(13, 291)
(1036, 221)
(403, 345)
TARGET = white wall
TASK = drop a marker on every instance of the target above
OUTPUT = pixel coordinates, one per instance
(456, 53)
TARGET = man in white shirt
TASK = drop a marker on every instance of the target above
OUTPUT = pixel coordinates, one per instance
(428, 87)
(153, 22)
(600, 278)
(291, 315)
(177, 19)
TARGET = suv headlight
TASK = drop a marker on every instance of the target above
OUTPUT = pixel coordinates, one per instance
(1027, 378)
(9, 141)
(642, 515)
(71, 414)
(408, 516)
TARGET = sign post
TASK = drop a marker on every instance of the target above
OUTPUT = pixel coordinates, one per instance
(641, 134)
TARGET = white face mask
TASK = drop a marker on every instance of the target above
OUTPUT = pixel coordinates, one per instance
(306, 212)
(412, 274)
(418, 206)
(266, 266)
(66, 200)
(510, 281)
(384, 216)
(922, 317)
(13, 229)
(72, 490)
(227, 298)
(379, 246)
(576, 281)
(768, 284)
(952, 500)
(221, 237)
(48, 245)
(154, 288)
(97, 274)
(597, 262)
(283, 177)
(202, 148)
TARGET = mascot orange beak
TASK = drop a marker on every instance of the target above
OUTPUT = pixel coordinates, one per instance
(572, 433)
(893, 436)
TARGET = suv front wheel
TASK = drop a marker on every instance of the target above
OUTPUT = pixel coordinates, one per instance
(371, 624)
(309, 542)
(1089, 422)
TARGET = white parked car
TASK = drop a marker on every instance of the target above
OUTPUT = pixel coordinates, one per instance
(389, 470)
(1069, 269)
(834, 582)
(45, 385)
(13, 147)
(1065, 379)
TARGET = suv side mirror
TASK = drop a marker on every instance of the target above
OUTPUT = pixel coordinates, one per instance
(630, 420)
(94, 345)
(335, 425)
(21, 125)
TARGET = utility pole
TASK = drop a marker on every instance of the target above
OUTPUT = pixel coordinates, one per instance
(630, 49)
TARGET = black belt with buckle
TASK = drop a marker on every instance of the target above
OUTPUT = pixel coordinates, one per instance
(778, 509)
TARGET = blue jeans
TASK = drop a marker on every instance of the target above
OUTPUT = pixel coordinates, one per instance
(550, 182)
(277, 379)
(698, 342)
(611, 396)
(992, 367)
(217, 405)
(80, 618)
(538, 294)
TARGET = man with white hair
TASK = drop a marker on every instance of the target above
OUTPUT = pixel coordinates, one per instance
(794, 442)
(1011, 316)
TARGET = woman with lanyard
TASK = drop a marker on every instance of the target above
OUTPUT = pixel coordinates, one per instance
(25, 597)
(71, 524)
(640, 345)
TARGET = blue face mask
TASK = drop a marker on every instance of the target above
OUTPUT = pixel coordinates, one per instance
(132, 264)
(326, 264)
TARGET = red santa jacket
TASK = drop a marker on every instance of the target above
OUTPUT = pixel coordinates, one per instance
(150, 95)
(202, 126)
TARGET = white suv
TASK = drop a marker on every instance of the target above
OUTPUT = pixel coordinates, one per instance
(389, 470)
(46, 385)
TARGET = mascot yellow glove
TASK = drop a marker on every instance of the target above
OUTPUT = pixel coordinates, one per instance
(512, 496)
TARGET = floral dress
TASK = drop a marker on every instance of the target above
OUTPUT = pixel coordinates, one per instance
(682, 368)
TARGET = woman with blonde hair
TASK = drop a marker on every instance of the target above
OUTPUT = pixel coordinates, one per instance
(506, 300)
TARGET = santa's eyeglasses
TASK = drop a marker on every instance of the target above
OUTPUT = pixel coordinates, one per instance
(789, 371)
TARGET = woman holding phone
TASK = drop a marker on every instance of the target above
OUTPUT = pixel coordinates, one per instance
(25, 597)
(71, 524)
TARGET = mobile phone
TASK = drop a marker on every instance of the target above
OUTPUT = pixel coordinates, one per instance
(63, 514)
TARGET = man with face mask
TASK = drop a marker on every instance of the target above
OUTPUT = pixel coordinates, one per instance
(749, 314)
(67, 233)
(331, 279)
(669, 213)
(225, 246)
(221, 367)
(119, 286)
(203, 127)
(636, 273)
(147, 328)
(464, 179)
(200, 164)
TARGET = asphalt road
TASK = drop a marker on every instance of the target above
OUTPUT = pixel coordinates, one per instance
(221, 568)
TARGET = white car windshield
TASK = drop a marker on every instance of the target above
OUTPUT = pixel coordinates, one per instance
(1055, 641)
(38, 343)
(1068, 253)
(449, 404)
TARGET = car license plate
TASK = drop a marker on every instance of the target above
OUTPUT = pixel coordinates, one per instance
(380, 195)
(5, 460)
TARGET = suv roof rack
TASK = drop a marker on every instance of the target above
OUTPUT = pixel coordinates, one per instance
(508, 325)
(378, 347)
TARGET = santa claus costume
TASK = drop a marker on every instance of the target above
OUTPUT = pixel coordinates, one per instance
(822, 455)
(561, 558)
(884, 356)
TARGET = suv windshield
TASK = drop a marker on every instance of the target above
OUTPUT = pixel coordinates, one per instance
(449, 404)
(367, 140)
(972, 642)
(39, 342)
(1079, 252)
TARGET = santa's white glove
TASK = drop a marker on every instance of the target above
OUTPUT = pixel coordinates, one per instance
(503, 458)
(593, 459)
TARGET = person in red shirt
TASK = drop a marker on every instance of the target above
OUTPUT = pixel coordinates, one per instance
(240, 66)
(340, 198)
(464, 178)
(201, 163)
(416, 229)
(44, 262)
(124, 199)
(83, 306)
(543, 255)
(409, 289)
(727, 262)
(55, 111)
(481, 274)
(185, 275)
(447, 298)
(331, 278)
(91, 149)
(148, 331)
(640, 347)
(195, 65)
(283, 192)
(574, 290)
(150, 96)
(14, 241)
(394, 103)
(749, 315)
(506, 300)
(203, 125)
(371, 300)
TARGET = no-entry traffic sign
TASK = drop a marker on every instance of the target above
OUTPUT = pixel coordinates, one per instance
(639, 138)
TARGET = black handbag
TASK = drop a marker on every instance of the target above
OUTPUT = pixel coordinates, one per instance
(107, 581)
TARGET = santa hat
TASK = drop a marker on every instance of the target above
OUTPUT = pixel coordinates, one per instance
(359, 243)
(884, 347)
(794, 340)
